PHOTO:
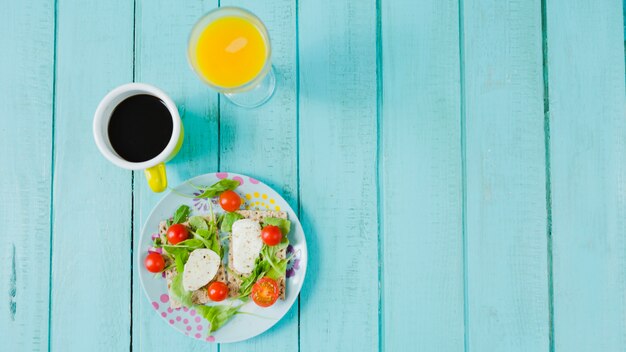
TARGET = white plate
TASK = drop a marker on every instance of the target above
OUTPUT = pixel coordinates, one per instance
(256, 195)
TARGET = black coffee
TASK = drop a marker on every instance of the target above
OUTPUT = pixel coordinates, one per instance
(140, 128)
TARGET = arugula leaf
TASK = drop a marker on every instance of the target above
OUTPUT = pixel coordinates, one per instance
(188, 245)
(205, 242)
(217, 188)
(197, 223)
(266, 265)
(217, 315)
(283, 224)
(180, 256)
(278, 270)
(204, 233)
(215, 247)
(278, 267)
(179, 292)
(228, 221)
(260, 269)
(181, 214)
(210, 242)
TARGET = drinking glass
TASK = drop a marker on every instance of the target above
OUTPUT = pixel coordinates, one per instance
(229, 49)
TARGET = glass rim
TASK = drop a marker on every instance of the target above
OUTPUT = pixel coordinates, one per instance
(217, 13)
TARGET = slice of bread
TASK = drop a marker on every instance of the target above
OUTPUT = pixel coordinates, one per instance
(199, 296)
(235, 278)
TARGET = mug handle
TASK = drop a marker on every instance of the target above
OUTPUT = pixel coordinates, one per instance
(156, 177)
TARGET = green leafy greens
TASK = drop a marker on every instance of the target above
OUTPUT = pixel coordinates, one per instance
(181, 215)
(179, 292)
(228, 220)
(277, 267)
(217, 315)
(260, 269)
(210, 242)
(204, 235)
(198, 222)
(268, 264)
(283, 224)
(217, 188)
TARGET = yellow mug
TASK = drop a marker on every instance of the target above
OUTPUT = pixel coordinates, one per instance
(154, 168)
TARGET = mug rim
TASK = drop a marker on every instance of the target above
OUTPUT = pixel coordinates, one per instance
(100, 117)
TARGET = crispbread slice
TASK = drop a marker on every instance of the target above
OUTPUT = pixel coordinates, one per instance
(199, 296)
(234, 281)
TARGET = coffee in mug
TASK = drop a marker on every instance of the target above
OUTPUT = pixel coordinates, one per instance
(137, 126)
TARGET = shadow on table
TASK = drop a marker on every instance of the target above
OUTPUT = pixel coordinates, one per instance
(313, 264)
(199, 152)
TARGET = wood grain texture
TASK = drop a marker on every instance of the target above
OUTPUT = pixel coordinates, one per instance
(162, 29)
(421, 177)
(92, 198)
(507, 281)
(588, 154)
(338, 185)
(262, 143)
(26, 81)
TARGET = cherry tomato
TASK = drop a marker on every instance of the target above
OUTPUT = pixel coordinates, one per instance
(265, 292)
(230, 201)
(271, 235)
(218, 291)
(177, 233)
(154, 262)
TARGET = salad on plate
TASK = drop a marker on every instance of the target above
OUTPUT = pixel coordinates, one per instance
(216, 263)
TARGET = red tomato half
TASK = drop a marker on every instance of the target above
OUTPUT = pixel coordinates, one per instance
(177, 233)
(265, 292)
(218, 291)
(154, 262)
(271, 235)
(230, 201)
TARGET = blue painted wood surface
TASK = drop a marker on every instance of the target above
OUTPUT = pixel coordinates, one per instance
(458, 167)
(91, 208)
(26, 98)
(505, 211)
(588, 151)
(339, 303)
(420, 171)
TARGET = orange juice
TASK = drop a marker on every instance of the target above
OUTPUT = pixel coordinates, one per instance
(230, 52)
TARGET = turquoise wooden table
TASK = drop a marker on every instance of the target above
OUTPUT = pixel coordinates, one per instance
(459, 168)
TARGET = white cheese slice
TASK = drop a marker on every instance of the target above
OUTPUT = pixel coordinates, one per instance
(200, 268)
(246, 245)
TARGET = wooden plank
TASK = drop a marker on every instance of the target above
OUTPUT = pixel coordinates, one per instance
(588, 164)
(162, 28)
(421, 177)
(26, 82)
(338, 184)
(262, 143)
(506, 241)
(92, 198)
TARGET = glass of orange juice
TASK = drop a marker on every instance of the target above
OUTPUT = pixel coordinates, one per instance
(229, 49)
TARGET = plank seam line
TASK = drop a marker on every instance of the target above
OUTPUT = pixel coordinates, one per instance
(219, 143)
(219, 134)
(52, 162)
(463, 131)
(132, 188)
(12, 285)
(546, 128)
(298, 199)
(379, 176)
